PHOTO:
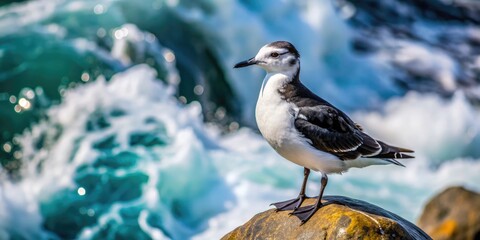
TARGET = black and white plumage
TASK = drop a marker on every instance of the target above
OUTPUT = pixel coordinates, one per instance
(306, 129)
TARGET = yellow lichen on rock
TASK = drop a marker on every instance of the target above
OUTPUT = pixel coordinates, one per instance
(446, 230)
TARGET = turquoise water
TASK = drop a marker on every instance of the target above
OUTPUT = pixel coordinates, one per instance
(49, 47)
(126, 120)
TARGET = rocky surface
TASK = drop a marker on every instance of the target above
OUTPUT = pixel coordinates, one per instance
(452, 214)
(352, 219)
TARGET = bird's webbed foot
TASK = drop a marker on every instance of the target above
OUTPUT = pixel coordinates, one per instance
(305, 213)
(292, 204)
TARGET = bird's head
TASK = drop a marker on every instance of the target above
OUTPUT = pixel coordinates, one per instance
(280, 56)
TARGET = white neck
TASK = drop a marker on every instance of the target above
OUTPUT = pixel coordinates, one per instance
(274, 81)
(278, 79)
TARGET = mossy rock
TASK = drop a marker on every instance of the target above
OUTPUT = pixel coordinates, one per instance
(350, 219)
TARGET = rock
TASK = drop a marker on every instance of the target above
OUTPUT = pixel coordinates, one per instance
(352, 219)
(452, 214)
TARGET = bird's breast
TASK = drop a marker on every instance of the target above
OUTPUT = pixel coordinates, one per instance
(275, 118)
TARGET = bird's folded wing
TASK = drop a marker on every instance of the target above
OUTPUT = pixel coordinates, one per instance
(330, 130)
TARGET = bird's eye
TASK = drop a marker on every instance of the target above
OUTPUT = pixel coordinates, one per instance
(274, 54)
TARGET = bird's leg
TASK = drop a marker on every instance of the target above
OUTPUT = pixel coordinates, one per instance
(290, 204)
(305, 213)
(301, 196)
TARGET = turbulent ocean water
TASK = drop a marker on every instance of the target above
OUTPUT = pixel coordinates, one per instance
(125, 119)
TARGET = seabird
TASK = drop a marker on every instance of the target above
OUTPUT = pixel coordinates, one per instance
(307, 130)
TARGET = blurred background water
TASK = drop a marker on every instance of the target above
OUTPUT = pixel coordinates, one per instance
(125, 120)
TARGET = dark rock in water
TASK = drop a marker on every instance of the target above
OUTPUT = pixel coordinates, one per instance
(354, 219)
(452, 214)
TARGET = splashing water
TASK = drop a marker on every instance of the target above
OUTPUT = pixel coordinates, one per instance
(120, 156)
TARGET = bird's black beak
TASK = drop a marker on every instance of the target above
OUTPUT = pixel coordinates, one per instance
(246, 63)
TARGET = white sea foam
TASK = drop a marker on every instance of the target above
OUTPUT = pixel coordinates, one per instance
(425, 62)
(143, 105)
(442, 129)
